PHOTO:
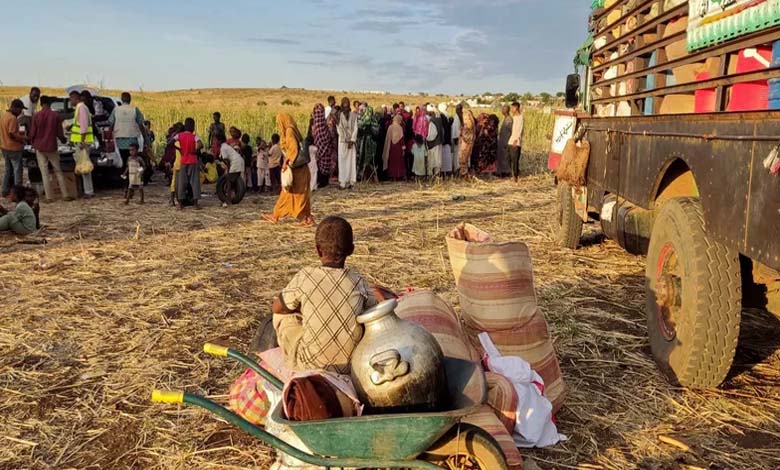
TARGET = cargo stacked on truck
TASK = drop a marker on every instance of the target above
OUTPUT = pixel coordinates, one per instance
(678, 103)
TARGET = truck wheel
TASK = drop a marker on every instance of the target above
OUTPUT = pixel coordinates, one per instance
(693, 305)
(569, 223)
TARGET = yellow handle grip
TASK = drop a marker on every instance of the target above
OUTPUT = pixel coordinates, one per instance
(160, 396)
(215, 350)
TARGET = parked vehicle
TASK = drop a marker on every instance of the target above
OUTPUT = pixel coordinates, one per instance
(680, 130)
(108, 163)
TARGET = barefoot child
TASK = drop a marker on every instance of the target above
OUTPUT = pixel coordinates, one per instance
(315, 316)
(134, 173)
(235, 167)
(420, 153)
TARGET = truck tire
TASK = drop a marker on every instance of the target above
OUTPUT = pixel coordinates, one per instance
(693, 286)
(569, 223)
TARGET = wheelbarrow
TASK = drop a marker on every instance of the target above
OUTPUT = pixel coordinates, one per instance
(424, 441)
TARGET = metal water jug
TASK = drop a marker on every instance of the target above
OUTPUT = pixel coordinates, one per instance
(398, 366)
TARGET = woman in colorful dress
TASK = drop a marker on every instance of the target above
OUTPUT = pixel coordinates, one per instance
(326, 146)
(295, 201)
(393, 154)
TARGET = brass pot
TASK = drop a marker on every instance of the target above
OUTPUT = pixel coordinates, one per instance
(398, 366)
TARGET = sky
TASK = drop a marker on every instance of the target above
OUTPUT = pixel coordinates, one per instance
(434, 46)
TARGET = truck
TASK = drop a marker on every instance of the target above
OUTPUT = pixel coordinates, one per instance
(678, 102)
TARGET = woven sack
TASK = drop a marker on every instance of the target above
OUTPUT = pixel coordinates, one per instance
(494, 280)
(574, 163)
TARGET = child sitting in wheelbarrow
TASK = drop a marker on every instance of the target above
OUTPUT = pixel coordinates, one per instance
(314, 318)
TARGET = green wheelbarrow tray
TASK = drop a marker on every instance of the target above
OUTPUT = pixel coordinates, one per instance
(374, 441)
(386, 437)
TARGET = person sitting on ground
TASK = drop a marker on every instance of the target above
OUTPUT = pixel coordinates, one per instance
(235, 165)
(32, 200)
(22, 220)
(315, 316)
(133, 173)
(209, 174)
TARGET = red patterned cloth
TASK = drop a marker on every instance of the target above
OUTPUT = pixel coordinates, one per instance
(248, 398)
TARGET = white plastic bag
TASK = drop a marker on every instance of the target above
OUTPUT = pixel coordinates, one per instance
(534, 426)
(287, 179)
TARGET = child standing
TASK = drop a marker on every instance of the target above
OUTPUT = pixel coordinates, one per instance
(247, 154)
(134, 174)
(275, 164)
(420, 154)
(235, 168)
(315, 316)
(263, 176)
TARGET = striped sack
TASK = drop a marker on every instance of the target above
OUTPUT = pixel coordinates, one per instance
(495, 281)
(532, 343)
(486, 420)
(431, 312)
(502, 399)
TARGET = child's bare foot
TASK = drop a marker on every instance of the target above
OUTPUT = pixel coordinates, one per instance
(127, 201)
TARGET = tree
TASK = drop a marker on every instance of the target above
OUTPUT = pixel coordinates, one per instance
(545, 97)
(560, 94)
(511, 97)
(527, 97)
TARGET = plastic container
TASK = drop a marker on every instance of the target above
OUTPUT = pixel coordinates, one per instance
(750, 96)
(706, 97)
(774, 93)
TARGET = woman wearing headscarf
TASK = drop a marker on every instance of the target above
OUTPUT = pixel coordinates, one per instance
(393, 153)
(420, 125)
(295, 201)
(326, 146)
(487, 143)
(466, 141)
(368, 129)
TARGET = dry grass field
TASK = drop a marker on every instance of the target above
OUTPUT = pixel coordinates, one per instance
(121, 299)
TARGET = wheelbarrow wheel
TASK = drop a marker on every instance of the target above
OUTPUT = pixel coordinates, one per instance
(466, 447)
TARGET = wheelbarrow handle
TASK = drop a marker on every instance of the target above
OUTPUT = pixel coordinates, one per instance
(222, 351)
(273, 441)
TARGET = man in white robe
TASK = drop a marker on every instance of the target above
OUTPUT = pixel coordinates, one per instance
(347, 130)
(446, 143)
(435, 135)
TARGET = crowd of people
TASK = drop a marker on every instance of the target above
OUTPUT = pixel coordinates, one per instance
(345, 143)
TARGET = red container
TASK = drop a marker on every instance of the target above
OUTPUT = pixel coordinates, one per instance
(705, 98)
(751, 96)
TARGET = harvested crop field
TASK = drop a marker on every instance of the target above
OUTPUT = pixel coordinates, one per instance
(121, 299)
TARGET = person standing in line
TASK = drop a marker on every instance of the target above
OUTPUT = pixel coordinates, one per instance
(330, 107)
(82, 136)
(216, 128)
(446, 141)
(189, 170)
(30, 102)
(434, 141)
(468, 134)
(368, 129)
(348, 131)
(45, 133)
(326, 146)
(263, 175)
(516, 140)
(12, 140)
(393, 151)
(457, 124)
(127, 122)
(502, 158)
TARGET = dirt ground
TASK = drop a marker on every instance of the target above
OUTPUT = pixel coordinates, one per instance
(121, 299)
